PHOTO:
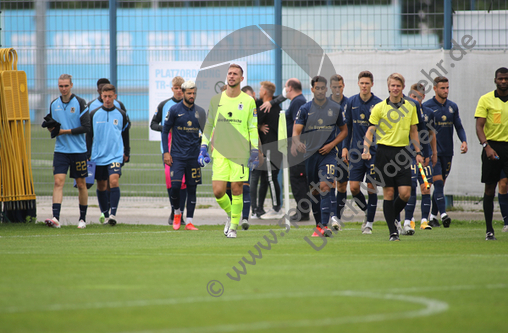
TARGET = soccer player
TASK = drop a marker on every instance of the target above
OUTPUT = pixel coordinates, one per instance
(393, 120)
(297, 172)
(94, 104)
(319, 120)
(234, 124)
(358, 110)
(109, 147)
(268, 125)
(70, 112)
(446, 117)
(492, 131)
(157, 124)
(417, 93)
(184, 119)
(337, 87)
(502, 197)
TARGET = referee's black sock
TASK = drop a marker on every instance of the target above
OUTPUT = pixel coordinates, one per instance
(488, 211)
(389, 215)
(398, 205)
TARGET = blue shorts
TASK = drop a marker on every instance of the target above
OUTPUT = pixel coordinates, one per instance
(342, 172)
(321, 168)
(415, 172)
(76, 162)
(188, 167)
(102, 172)
(359, 168)
(443, 166)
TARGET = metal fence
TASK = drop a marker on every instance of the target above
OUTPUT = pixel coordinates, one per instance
(79, 38)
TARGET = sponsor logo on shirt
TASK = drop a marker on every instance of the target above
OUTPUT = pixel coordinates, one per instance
(320, 121)
(230, 114)
(443, 118)
(362, 116)
(355, 107)
(180, 115)
(189, 123)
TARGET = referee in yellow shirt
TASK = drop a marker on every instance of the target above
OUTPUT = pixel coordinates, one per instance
(492, 131)
(393, 120)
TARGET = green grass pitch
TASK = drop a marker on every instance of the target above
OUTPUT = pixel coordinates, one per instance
(133, 278)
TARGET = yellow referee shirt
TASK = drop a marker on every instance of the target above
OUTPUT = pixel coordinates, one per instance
(233, 122)
(495, 111)
(392, 124)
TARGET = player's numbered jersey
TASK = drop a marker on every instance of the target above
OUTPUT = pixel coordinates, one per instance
(69, 116)
(321, 123)
(107, 128)
(357, 118)
(235, 126)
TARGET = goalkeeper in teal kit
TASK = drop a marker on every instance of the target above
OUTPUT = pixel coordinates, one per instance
(233, 121)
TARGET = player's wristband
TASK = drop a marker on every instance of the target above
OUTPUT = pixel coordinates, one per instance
(419, 153)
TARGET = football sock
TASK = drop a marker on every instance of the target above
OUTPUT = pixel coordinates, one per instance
(434, 209)
(425, 206)
(410, 206)
(439, 194)
(82, 212)
(333, 202)
(246, 202)
(398, 205)
(325, 208)
(316, 208)
(102, 198)
(56, 210)
(169, 194)
(503, 205)
(488, 211)
(370, 224)
(114, 199)
(389, 215)
(189, 220)
(178, 211)
(225, 204)
(341, 203)
(236, 210)
(175, 195)
(183, 198)
(371, 207)
(191, 200)
(360, 201)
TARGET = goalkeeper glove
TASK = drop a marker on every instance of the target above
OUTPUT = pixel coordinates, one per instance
(203, 158)
(253, 159)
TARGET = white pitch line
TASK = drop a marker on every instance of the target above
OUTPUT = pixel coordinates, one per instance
(432, 306)
(226, 298)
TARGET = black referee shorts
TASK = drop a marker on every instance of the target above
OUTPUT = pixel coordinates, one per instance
(393, 166)
(491, 169)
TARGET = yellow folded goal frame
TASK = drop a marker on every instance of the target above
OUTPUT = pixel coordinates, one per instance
(16, 189)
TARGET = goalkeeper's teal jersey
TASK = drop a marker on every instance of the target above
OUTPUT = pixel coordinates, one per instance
(233, 122)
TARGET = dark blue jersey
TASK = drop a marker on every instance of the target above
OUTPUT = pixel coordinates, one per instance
(291, 112)
(422, 128)
(320, 124)
(108, 139)
(161, 113)
(357, 114)
(342, 104)
(446, 116)
(74, 116)
(186, 124)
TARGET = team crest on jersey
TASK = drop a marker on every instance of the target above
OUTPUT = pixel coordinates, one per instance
(196, 114)
(362, 116)
(255, 113)
(320, 121)
(240, 106)
(172, 172)
(443, 118)
(73, 109)
(450, 109)
(115, 121)
(330, 112)
(189, 123)
(371, 107)
(426, 118)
